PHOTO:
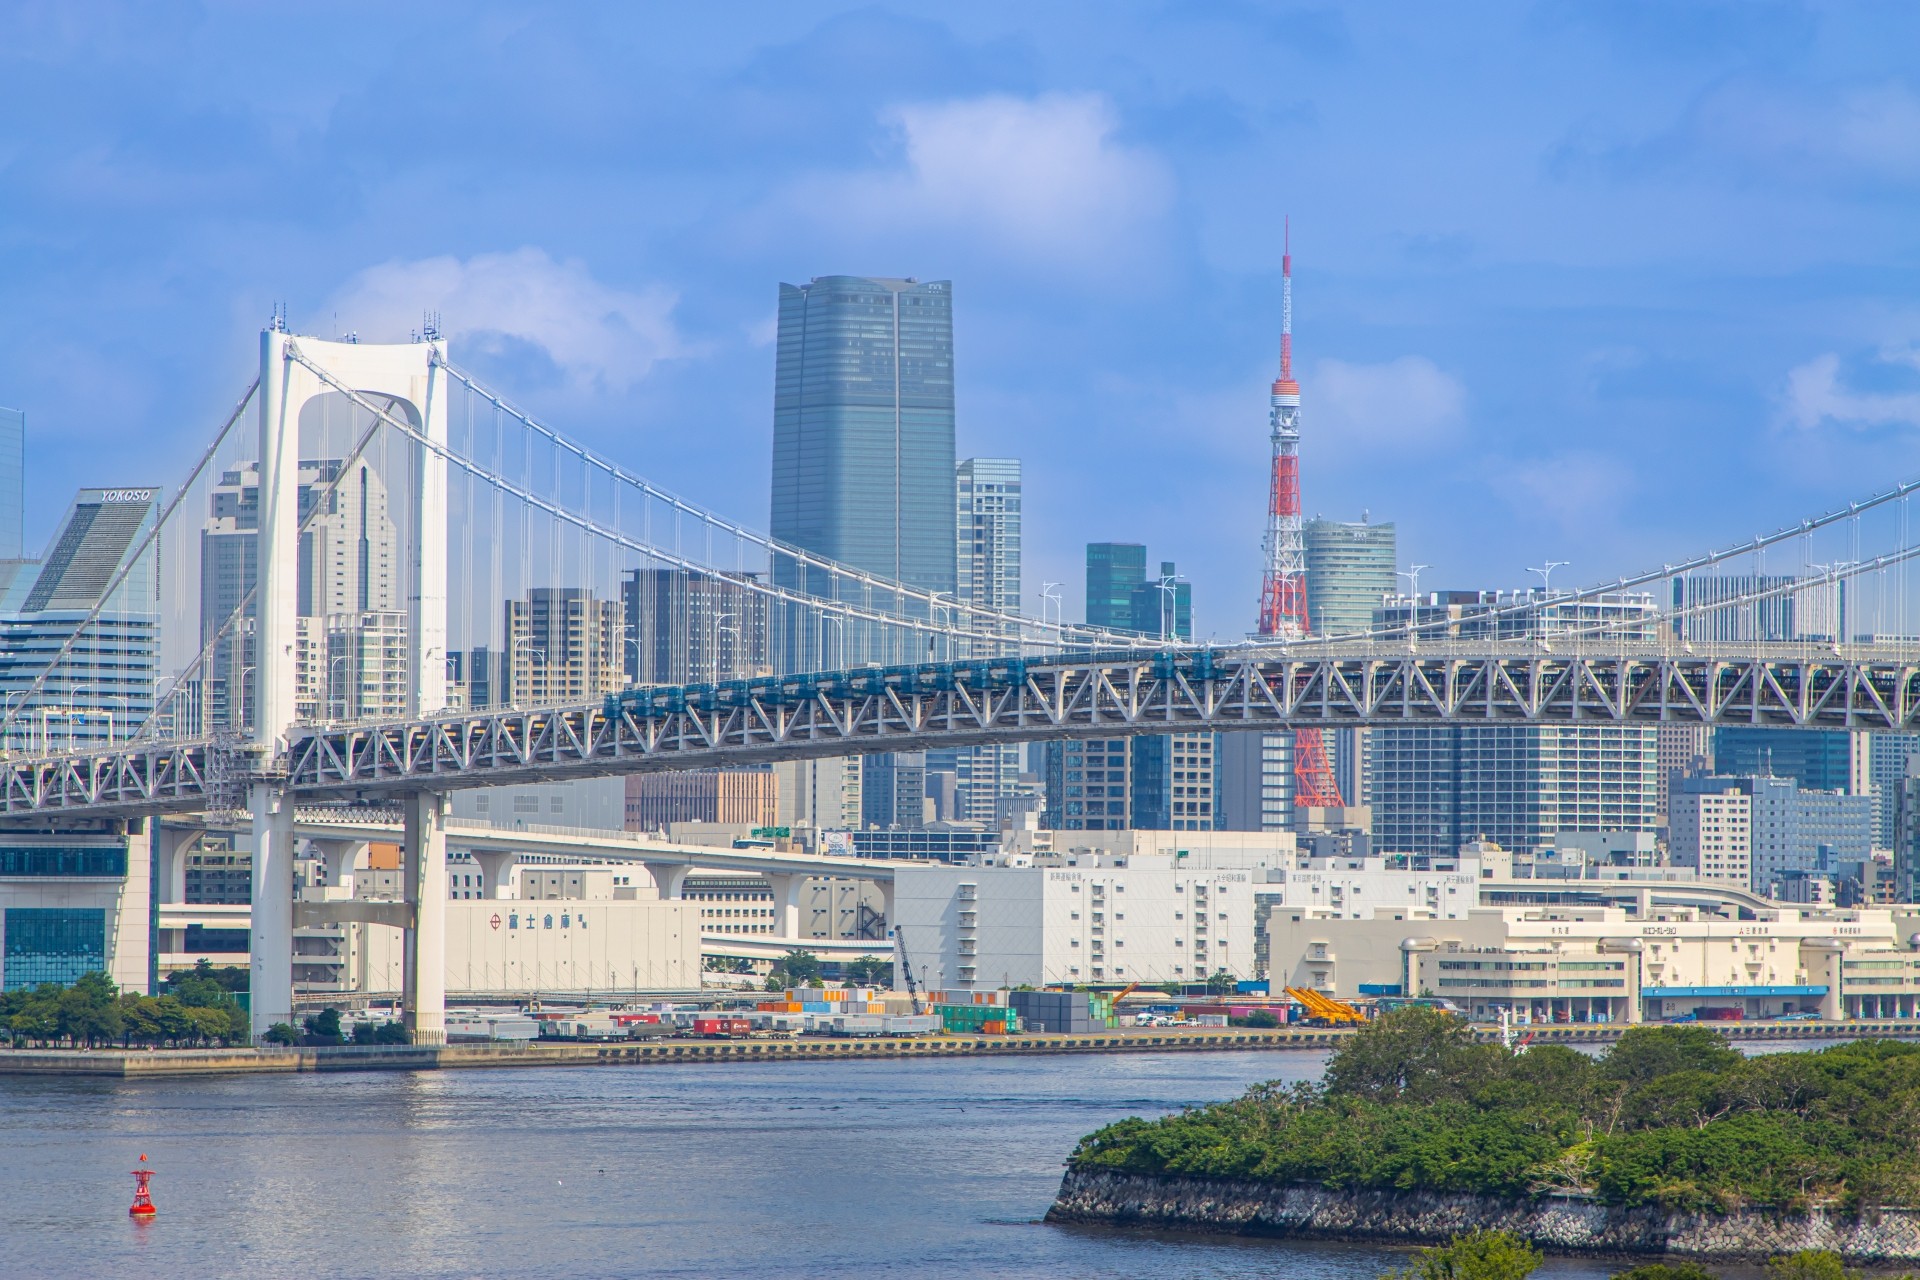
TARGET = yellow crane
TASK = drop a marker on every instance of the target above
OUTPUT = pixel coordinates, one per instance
(1326, 1009)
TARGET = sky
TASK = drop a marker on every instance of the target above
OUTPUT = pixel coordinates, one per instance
(1604, 283)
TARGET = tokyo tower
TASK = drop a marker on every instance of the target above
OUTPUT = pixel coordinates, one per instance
(1283, 590)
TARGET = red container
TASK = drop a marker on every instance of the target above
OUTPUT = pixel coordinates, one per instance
(722, 1027)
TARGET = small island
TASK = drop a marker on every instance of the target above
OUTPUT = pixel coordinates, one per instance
(1669, 1143)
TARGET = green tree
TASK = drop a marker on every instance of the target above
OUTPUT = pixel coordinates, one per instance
(1418, 1052)
(1478, 1255)
(282, 1033)
(324, 1026)
(1647, 1053)
(1811, 1264)
(799, 968)
(868, 971)
(1221, 983)
(1666, 1271)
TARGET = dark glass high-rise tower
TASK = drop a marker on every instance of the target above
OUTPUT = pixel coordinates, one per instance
(863, 465)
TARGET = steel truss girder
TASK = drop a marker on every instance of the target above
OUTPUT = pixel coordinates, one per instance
(1057, 699)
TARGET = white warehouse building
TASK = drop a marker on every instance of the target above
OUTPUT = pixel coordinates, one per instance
(1084, 918)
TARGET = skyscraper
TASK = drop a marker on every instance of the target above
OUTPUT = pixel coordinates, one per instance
(987, 499)
(103, 688)
(687, 627)
(1435, 787)
(349, 565)
(863, 465)
(563, 645)
(1350, 572)
(13, 483)
(1115, 570)
(863, 462)
(1157, 782)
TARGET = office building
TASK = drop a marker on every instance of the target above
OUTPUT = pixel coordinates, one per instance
(1115, 572)
(348, 565)
(1350, 574)
(1677, 749)
(13, 484)
(823, 794)
(1156, 781)
(1788, 830)
(656, 801)
(1434, 788)
(72, 904)
(563, 645)
(863, 463)
(893, 789)
(103, 688)
(1889, 755)
(688, 627)
(1817, 759)
(1086, 918)
(987, 499)
(863, 454)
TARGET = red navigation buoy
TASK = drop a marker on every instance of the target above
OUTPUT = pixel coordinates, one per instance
(142, 1202)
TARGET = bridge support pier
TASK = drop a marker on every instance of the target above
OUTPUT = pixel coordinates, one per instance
(495, 866)
(423, 1004)
(786, 904)
(271, 981)
(670, 878)
(170, 849)
(339, 860)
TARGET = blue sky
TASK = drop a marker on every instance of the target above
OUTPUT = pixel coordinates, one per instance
(1604, 283)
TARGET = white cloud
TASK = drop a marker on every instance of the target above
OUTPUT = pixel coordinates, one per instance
(1043, 177)
(1577, 490)
(1402, 403)
(1865, 129)
(1816, 396)
(598, 336)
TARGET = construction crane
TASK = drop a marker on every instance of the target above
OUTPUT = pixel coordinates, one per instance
(1326, 1009)
(906, 967)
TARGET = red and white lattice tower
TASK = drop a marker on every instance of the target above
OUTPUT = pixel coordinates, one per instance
(1283, 591)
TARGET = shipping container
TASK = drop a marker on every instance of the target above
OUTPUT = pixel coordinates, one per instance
(722, 1026)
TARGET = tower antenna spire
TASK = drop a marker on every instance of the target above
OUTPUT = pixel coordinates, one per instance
(1283, 589)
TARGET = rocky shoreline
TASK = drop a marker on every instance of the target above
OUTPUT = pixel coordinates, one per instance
(1407, 1217)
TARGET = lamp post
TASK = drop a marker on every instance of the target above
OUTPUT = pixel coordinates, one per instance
(512, 656)
(332, 685)
(713, 650)
(1169, 603)
(840, 639)
(1047, 593)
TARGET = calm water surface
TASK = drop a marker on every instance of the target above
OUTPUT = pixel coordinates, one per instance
(855, 1168)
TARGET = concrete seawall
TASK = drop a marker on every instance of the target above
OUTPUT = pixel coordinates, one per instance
(558, 1053)
(1556, 1225)
(562, 1053)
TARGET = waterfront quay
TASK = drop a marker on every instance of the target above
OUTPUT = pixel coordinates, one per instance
(143, 1063)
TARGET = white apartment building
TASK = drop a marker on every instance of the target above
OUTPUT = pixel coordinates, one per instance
(1714, 835)
(1085, 919)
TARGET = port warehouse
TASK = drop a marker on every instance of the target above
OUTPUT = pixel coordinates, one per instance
(1619, 950)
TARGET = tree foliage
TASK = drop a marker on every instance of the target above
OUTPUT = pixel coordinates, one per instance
(93, 1012)
(1669, 1116)
(1478, 1255)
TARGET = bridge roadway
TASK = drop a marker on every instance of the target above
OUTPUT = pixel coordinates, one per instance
(1326, 685)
